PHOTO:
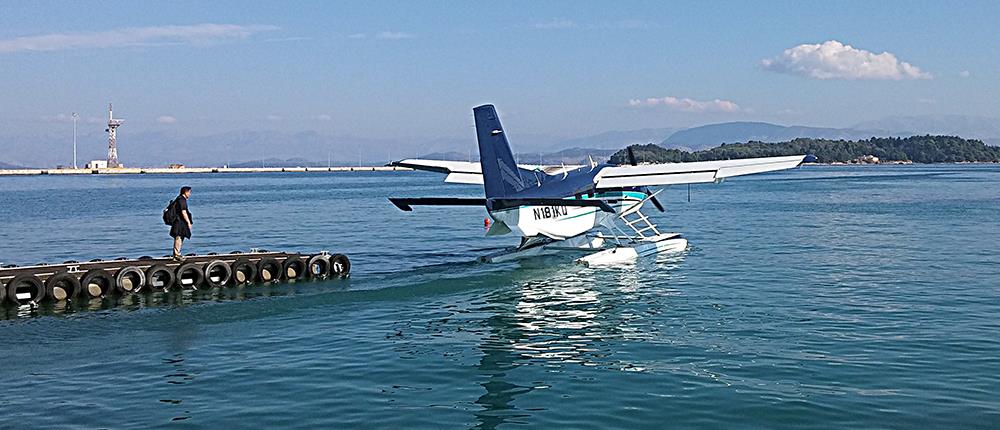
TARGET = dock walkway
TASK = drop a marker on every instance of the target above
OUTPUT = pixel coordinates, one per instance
(167, 170)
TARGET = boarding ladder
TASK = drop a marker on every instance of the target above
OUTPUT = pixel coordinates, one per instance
(635, 220)
(640, 223)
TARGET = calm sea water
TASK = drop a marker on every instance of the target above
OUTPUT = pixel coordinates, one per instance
(825, 297)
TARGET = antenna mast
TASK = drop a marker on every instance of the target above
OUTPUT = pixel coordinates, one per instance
(75, 117)
(112, 130)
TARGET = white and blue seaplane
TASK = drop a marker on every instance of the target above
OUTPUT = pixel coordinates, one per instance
(595, 209)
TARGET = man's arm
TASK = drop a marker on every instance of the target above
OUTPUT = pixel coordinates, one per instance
(187, 219)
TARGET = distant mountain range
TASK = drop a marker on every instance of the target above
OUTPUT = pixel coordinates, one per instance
(712, 135)
(9, 166)
(281, 148)
(970, 127)
(616, 139)
(566, 156)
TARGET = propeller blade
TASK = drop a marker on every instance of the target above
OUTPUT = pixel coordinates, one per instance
(657, 203)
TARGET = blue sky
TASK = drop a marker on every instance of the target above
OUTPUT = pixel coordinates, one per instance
(410, 70)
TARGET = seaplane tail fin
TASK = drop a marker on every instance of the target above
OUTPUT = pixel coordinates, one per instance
(501, 176)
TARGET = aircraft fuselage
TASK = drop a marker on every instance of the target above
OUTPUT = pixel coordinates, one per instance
(562, 222)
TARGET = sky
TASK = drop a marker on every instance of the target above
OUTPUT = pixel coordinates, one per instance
(410, 72)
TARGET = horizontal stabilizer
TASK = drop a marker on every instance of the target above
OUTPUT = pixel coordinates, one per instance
(513, 203)
(407, 203)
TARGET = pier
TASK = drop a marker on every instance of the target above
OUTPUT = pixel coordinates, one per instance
(170, 170)
(70, 280)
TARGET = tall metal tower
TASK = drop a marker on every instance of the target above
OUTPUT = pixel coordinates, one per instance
(112, 130)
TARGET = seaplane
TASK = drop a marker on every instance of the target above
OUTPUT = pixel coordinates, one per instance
(594, 209)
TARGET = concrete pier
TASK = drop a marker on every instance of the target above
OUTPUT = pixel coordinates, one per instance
(167, 170)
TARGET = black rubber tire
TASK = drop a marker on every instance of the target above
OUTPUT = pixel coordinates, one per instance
(57, 285)
(294, 267)
(217, 273)
(318, 266)
(159, 278)
(189, 276)
(96, 283)
(340, 266)
(244, 272)
(34, 286)
(129, 279)
(268, 270)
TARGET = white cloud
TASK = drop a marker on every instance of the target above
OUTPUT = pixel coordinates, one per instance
(964, 74)
(554, 24)
(393, 35)
(835, 60)
(60, 117)
(357, 36)
(133, 36)
(273, 118)
(166, 119)
(323, 117)
(687, 105)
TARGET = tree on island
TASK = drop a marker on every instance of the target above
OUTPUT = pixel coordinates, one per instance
(917, 149)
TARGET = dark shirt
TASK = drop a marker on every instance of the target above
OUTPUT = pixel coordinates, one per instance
(180, 227)
(181, 204)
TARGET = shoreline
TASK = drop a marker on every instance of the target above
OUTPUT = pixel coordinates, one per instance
(223, 170)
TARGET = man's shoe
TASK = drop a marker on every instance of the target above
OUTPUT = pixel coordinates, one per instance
(178, 258)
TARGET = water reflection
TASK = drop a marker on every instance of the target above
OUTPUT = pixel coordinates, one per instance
(148, 299)
(564, 315)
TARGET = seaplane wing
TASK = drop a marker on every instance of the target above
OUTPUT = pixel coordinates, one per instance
(464, 172)
(689, 173)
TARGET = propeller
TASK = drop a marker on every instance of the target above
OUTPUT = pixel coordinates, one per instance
(652, 198)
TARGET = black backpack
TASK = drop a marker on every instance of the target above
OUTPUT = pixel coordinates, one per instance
(170, 214)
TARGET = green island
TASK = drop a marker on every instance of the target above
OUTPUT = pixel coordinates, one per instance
(914, 149)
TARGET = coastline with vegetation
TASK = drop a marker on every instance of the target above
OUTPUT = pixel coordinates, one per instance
(915, 149)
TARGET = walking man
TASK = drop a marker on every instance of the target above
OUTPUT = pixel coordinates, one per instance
(181, 228)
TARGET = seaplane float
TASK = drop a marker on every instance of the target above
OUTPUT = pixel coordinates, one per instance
(594, 209)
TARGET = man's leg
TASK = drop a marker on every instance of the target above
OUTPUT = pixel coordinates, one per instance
(178, 241)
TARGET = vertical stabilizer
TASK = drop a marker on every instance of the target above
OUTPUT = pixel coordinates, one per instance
(501, 177)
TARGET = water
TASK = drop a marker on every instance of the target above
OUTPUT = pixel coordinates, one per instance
(818, 298)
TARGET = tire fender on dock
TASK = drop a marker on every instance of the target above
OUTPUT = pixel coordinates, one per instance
(244, 272)
(159, 277)
(62, 286)
(96, 283)
(129, 279)
(217, 273)
(25, 289)
(340, 266)
(294, 267)
(318, 266)
(189, 276)
(268, 270)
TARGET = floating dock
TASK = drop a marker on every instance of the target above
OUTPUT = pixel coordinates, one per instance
(168, 170)
(72, 280)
